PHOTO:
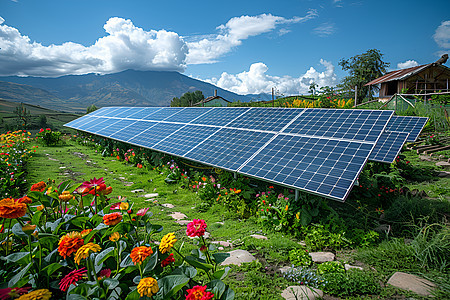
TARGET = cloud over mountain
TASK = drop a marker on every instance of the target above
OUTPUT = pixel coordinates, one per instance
(256, 81)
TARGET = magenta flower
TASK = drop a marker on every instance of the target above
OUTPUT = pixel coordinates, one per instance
(71, 278)
(92, 183)
(13, 293)
(196, 228)
(115, 206)
(105, 273)
(142, 211)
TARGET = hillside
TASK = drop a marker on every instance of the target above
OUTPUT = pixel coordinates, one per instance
(127, 88)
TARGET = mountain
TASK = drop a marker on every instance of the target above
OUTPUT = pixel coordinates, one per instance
(127, 88)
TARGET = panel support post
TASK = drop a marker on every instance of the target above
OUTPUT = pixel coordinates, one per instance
(235, 176)
(296, 195)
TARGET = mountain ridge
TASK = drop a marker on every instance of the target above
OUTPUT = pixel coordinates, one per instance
(126, 88)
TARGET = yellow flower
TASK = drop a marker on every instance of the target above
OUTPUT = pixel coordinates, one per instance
(114, 237)
(286, 208)
(147, 286)
(297, 215)
(124, 205)
(66, 196)
(85, 250)
(42, 294)
(167, 242)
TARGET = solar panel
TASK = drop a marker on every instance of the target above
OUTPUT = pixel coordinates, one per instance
(228, 148)
(363, 125)
(388, 146)
(316, 165)
(412, 125)
(266, 119)
(320, 151)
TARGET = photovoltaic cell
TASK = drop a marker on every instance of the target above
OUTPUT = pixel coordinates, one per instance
(188, 114)
(220, 116)
(163, 113)
(185, 139)
(87, 123)
(317, 165)
(127, 112)
(100, 125)
(143, 112)
(132, 130)
(388, 146)
(228, 148)
(363, 125)
(266, 119)
(118, 125)
(114, 111)
(153, 135)
(412, 125)
(77, 122)
(101, 111)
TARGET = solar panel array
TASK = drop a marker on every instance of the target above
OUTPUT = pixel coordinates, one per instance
(321, 151)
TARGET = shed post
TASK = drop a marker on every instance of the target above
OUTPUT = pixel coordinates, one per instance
(296, 195)
(356, 94)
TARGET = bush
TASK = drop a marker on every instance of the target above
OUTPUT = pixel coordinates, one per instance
(300, 257)
(330, 267)
(354, 282)
(49, 137)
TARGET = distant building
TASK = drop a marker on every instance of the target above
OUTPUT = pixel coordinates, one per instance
(215, 101)
(422, 79)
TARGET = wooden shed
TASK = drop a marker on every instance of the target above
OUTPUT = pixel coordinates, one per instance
(213, 101)
(424, 79)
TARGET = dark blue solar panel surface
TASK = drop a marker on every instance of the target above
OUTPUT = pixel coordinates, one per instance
(153, 135)
(101, 124)
(412, 125)
(115, 127)
(132, 130)
(266, 119)
(229, 148)
(127, 112)
(363, 125)
(320, 166)
(101, 111)
(188, 114)
(112, 112)
(76, 122)
(163, 113)
(89, 121)
(185, 139)
(220, 116)
(388, 146)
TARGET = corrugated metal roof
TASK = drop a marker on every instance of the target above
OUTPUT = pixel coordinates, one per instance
(399, 74)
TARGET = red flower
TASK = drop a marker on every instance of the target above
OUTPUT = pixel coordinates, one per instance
(105, 273)
(40, 186)
(12, 293)
(142, 211)
(168, 260)
(92, 183)
(199, 292)
(71, 278)
(112, 219)
(196, 228)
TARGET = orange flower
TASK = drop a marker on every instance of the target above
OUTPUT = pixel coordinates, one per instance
(25, 199)
(107, 191)
(40, 186)
(40, 207)
(70, 243)
(11, 209)
(85, 232)
(112, 219)
(66, 196)
(139, 254)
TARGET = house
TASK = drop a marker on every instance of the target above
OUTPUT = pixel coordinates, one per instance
(424, 79)
(213, 101)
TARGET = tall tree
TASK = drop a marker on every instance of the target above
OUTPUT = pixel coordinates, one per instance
(188, 99)
(363, 68)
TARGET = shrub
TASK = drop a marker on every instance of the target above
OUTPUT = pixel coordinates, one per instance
(353, 282)
(300, 257)
(330, 267)
(306, 276)
(48, 137)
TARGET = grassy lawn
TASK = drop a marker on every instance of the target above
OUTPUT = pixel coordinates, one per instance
(260, 279)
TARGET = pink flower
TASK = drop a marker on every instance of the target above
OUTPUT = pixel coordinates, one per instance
(115, 206)
(196, 228)
(105, 273)
(71, 278)
(92, 183)
(142, 211)
(12, 293)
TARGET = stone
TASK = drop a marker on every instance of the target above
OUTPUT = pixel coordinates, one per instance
(168, 205)
(348, 267)
(302, 243)
(321, 257)
(412, 283)
(443, 174)
(128, 183)
(425, 158)
(207, 235)
(138, 191)
(238, 257)
(220, 248)
(284, 269)
(183, 222)
(148, 200)
(122, 178)
(62, 167)
(178, 216)
(443, 164)
(301, 292)
(258, 236)
(50, 158)
(152, 195)
(223, 243)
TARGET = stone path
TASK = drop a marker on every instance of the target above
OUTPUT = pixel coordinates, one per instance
(238, 257)
(178, 216)
(258, 236)
(321, 257)
(412, 283)
(301, 292)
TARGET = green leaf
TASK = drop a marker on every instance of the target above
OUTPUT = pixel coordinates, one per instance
(16, 257)
(198, 263)
(79, 221)
(49, 257)
(121, 228)
(110, 283)
(53, 225)
(151, 263)
(221, 274)
(17, 230)
(228, 295)
(122, 246)
(217, 287)
(89, 236)
(13, 281)
(220, 257)
(52, 268)
(171, 284)
(49, 241)
(75, 297)
(186, 270)
(126, 262)
(134, 295)
(36, 217)
(102, 256)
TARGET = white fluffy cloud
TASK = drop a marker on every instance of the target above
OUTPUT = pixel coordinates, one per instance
(256, 81)
(209, 49)
(407, 64)
(442, 35)
(124, 47)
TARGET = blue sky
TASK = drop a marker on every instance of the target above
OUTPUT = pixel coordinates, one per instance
(243, 46)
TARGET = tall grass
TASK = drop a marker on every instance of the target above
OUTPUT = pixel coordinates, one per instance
(438, 119)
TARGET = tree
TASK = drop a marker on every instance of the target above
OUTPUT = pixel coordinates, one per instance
(363, 68)
(23, 115)
(188, 99)
(312, 87)
(91, 108)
